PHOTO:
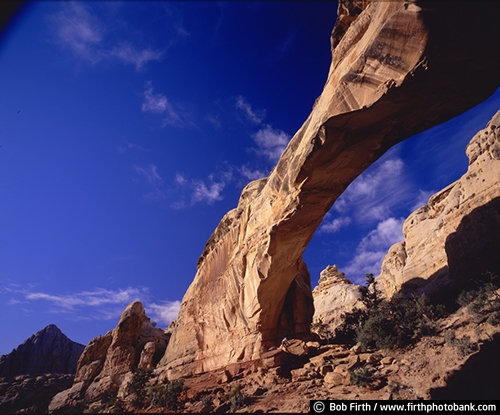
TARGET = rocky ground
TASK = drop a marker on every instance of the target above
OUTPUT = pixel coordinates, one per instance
(31, 393)
(458, 362)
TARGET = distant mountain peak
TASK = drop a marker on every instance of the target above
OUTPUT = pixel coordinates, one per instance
(47, 351)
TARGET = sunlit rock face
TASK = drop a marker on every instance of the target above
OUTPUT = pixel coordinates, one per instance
(398, 68)
(456, 236)
(108, 361)
(333, 296)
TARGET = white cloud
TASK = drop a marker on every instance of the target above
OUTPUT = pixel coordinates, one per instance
(250, 174)
(79, 31)
(208, 190)
(180, 179)
(209, 193)
(252, 115)
(335, 225)
(98, 297)
(129, 54)
(373, 195)
(99, 304)
(150, 174)
(154, 102)
(271, 142)
(373, 248)
(164, 313)
(84, 35)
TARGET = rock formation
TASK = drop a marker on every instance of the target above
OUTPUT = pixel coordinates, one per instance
(107, 362)
(456, 236)
(31, 393)
(398, 68)
(47, 351)
(333, 296)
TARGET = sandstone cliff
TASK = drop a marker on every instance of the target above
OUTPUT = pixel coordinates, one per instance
(333, 296)
(108, 361)
(398, 68)
(47, 351)
(456, 236)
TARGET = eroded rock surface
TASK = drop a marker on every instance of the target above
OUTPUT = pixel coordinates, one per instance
(107, 362)
(47, 351)
(398, 68)
(333, 296)
(456, 236)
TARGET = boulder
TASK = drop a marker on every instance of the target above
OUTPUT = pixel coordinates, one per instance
(334, 379)
(296, 347)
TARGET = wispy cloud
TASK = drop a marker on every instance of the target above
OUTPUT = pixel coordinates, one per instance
(158, 103)
(255, 116)
(208, 190)
(372, 196)
(127, 53)
(334, 225)
(150, 173)
(154, 102)
(131, 146)
(289, 41)
(79, 31)
(87, 37)
(252, 174)
(164, 313)
(271, 142)
(209, 193)
(98, 304)
(373, 247)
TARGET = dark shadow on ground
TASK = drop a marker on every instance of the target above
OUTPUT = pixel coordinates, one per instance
(479, 378)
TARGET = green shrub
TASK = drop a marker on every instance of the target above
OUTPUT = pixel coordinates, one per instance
(361, 376)
(398, 322)
(483, 301)
(236, 398)
(322, 330)
(384, 324)
(138, 387)
(167, 393)
(464, 346)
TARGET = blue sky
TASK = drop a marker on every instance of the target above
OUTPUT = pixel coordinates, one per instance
(128, 130)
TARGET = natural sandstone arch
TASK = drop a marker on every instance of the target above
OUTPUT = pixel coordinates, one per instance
(398, 68)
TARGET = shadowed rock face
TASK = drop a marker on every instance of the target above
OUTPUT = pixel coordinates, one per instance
(47, 351)
(397, 69)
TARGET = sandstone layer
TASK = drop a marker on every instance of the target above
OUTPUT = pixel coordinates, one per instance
(47, 351)
(107, 363)
(334, 296)
(456, 236)
(398, 68)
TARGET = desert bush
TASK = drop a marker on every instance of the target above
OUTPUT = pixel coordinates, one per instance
(398, 322)
(137, 387)
(361, 376)
(464, 346)
(236, 398)
(322, 330)
(482, 301)
(388, 323)
(207, 400)
(166, 394)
